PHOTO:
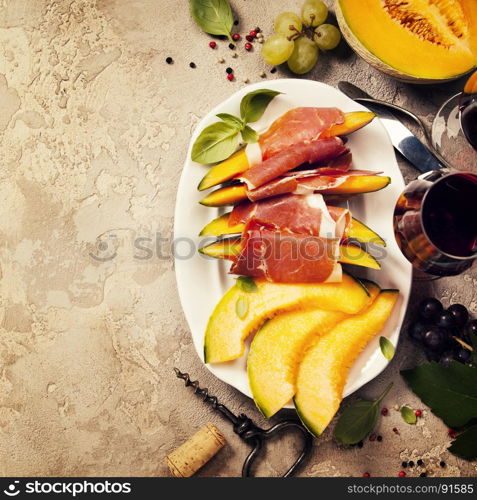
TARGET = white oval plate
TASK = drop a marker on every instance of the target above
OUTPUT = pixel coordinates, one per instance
(202, 281)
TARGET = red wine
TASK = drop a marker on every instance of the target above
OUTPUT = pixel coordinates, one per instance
(468, 120)
(435, 223)
(449, 214)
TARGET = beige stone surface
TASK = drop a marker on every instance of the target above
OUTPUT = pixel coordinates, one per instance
(94, 130)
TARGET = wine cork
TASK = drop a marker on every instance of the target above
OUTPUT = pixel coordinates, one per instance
(196, 451)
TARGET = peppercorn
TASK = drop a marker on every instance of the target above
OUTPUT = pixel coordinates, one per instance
(411, 463)
(402, 474)
(229, 70)
(169, 60)
(420, 462)
(422, 474)
(248, 46)
(404, 465)
(372, 437)
(418, 413)
(236, 22)
(379, 438)
(231, 46)
(212, 45)
(236, 37)
(273, 70)
(366, 474)
(230, 77)
(384, 411)
(192, 65)
(442, 463)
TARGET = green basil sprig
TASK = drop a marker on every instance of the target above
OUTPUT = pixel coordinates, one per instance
(213, 16)
(220, 140)
(358, 420)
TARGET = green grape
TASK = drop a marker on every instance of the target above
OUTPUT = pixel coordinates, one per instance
(284, 21)
(277, 49)
(304, 56)
(314, 12)
(327, 36)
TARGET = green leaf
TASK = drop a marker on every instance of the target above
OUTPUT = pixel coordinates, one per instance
(408, 415)
(213, 16)
(254, 104)
(231, 120)
(358, 420)
(246, 284)
(465, 445)
(241, 306)
(387, 348)
(450, 392)
(215, 143)
(249, 135)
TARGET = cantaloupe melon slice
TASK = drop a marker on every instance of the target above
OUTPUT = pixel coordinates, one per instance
(229, 248)
(226, 330)
(278, 348)
(238, 163)
(355, 184)
(323, 371)
(421, 41)
(356, 230)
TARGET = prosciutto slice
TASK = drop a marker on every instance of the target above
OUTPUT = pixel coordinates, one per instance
(287, 257)
(295, 214)
(294, 156)
(296, 126)
(304, 182)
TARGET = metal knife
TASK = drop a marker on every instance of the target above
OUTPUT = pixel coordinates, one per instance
(402, 138)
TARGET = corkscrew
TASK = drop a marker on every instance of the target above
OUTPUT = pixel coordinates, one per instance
(246, 429)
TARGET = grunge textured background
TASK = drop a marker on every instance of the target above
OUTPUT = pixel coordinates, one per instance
(94, 127)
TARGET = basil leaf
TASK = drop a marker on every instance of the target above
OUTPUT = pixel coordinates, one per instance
(246, 284)
(241, 306)
(231, 120)
(215, 143)
(408, 415)
(213, 16)
(450, 392)
(249, 135)
(358, 420)
(466, 444)
(387, 348)
(254, 104)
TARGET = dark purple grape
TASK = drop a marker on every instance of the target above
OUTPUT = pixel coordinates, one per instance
(430, 308)
(446, 320)
(447, 358)
(432, 355)
(463, 355)
(435, 339)
(417, 330)
(460, 313)
(472, 328)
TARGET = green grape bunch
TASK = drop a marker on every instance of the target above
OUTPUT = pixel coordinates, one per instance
(299, 39)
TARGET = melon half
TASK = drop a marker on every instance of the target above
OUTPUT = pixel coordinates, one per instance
(419, 41)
